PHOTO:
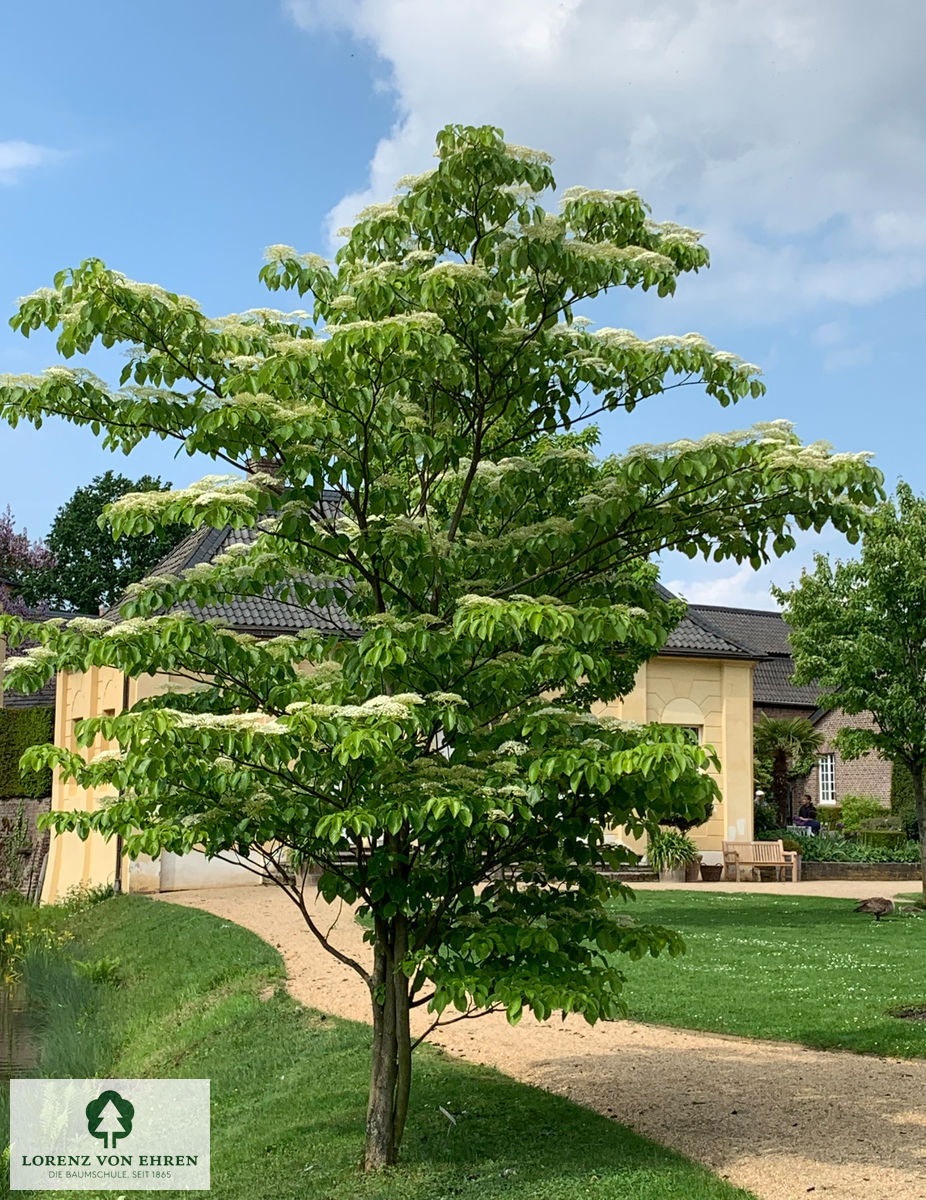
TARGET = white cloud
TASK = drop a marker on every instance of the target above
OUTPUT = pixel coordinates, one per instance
(702, 582)
(16, 157)
(793, 134)
(743, 588)
(841, 352)
(846, 357)
(830, 333)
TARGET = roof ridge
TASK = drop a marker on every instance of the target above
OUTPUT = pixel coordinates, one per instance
(752, 612)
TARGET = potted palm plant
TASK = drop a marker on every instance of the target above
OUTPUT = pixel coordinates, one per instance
(669, 852)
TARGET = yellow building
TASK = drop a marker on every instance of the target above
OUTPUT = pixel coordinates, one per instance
(702, 680)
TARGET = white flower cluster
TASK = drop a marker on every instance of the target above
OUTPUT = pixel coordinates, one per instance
(35, 654)
(257, 722)
(151, 291)
(515, 748)
(413, 181)
(458, 270)
(428, 321)
(374, 212)
(276, 316)
(527, 153)
(89, 625)
(107, 756)
(598, 195)
(419, 257)
(617, 724)
(550, 229)
(675, 233)
(620, 255)
(396, 707)
(480, 602)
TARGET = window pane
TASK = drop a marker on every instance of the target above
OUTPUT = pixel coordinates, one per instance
(826, 772)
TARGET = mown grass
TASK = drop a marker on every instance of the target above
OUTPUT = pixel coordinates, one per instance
(805, 969)
(203, 998)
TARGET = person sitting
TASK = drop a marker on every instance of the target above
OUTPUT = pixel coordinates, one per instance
(807, 816)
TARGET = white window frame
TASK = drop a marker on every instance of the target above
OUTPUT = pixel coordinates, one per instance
(826, 780)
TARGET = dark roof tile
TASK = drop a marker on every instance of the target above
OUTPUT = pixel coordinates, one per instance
(769, 634)
(694, 637)
(43, 698)
(265, 615)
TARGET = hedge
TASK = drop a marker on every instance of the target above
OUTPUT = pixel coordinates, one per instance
(21, 728)
(903, 804)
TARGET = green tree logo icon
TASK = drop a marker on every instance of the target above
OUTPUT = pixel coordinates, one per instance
(109, 1117)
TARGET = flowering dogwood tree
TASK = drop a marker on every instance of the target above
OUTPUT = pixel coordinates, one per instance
(441, 752)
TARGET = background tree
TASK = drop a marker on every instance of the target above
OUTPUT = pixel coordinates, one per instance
(487, 583)
(785, 749)
(21, 562)
(91, 568)
(859, 629)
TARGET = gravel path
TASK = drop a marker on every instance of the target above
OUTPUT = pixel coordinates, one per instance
(779, 1119)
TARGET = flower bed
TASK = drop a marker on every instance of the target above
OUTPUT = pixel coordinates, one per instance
(837, 848)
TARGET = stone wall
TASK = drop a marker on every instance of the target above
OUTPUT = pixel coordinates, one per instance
(860, 871)
(21, 869)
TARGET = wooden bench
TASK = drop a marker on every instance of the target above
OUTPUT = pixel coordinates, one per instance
(737, 855)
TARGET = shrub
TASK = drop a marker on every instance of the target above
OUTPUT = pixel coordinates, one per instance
(888, 838)
(668, 848)
(834, 847)
(765, 818)
(21, 728)
(880, 824)
(82, 896)
(856, 809)
(903, 804)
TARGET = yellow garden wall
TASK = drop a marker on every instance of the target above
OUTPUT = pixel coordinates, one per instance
(71, 862)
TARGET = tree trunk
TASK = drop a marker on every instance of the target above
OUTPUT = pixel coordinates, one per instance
(390, 1075)
(918, 796)
(780, 788)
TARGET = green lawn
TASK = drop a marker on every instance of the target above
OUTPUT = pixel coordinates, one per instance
(288, 1084)
(801, 968)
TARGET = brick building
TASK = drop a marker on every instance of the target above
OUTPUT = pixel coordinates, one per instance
(774, 695)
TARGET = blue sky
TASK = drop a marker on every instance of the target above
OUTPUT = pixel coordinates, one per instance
(176, 140)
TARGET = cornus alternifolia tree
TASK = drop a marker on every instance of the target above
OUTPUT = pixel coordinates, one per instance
(439, 747)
